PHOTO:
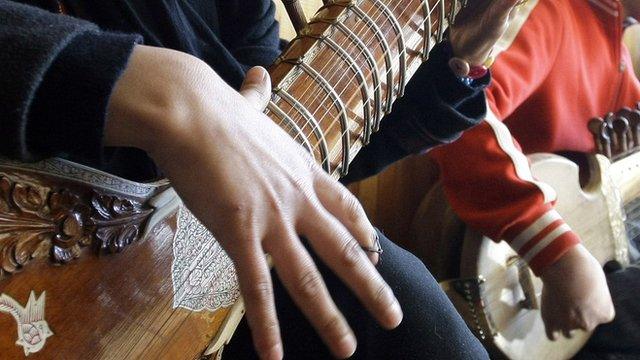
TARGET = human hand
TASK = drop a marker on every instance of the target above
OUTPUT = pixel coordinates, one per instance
(254, 188)
(478, 26)
(575, 294)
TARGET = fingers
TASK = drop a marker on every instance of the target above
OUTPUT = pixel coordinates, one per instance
(550, 333)
(502, 12)
(564, 329)
(345, 207)
(304, 283)
(576, 321)
(508, 5)
(564, 324)
(256, 87)
(343, 254)
(611, 313)
(257, 292)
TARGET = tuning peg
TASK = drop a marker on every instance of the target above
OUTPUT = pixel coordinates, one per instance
(296, 14)
(634, 123)
(608, 123)
(600, 130)
(622, 133)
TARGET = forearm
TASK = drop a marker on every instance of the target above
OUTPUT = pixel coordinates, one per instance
(437, 106)
(158, 100)
(489, 183)
(56, 74)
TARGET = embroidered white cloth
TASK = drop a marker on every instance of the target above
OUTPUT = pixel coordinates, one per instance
(203, 275)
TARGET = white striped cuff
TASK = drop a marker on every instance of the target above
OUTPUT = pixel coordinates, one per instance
(538, 226)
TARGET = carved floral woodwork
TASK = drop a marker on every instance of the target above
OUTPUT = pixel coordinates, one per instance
(42, 222)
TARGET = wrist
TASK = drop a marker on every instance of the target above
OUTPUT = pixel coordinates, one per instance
(157, 97)
(573, 260)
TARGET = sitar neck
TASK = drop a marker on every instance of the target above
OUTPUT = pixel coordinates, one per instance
(340, 76)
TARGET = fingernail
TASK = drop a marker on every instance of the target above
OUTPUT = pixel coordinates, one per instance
(396, 314)
(263, 73)
(346, 347)
(275, 353)
(252, 75)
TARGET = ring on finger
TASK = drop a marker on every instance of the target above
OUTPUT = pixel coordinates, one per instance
(376, 248)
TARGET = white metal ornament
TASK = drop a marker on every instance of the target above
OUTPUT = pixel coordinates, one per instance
(33, 329)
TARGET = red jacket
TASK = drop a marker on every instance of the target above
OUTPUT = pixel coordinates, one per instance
(563, 63)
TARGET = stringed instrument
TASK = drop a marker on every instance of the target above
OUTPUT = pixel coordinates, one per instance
(96, 266)
(287, 30)
(495, 291)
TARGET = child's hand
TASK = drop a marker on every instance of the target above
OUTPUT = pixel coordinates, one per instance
(478, 26)
(575, 294)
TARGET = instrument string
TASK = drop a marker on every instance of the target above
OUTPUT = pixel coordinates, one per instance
(495, 302)
(200, 263)
(306, 123)
(397, 35)
(322, 107)
(359, 34)
(337, 145)
(632, 209)
(333, 82)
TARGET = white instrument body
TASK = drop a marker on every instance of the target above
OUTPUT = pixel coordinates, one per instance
(594, 212)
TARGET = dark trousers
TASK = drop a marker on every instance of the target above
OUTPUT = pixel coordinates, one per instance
(431, 328)
(620, 339)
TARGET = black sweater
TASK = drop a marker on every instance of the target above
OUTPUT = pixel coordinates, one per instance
(57, 73)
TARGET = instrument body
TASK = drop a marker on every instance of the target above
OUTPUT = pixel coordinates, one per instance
(98, 306)
(94, 266)
(497, 293)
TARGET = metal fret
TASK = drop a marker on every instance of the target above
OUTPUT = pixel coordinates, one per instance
(387, 54)
(442, 17)
(427, 30)
(452, 13)
(317, 131)
(371, 61)
(275, 109)
(377, 85)
(344, 120)
(402, 48)
(364, 89)
(386, 49)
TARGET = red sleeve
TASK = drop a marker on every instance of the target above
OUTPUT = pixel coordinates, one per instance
(486, 177)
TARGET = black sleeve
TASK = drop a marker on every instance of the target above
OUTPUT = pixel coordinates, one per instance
(436, 108)
(56, 76)
(250, 31)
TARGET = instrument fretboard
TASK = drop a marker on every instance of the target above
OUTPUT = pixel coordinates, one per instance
(338, 79)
